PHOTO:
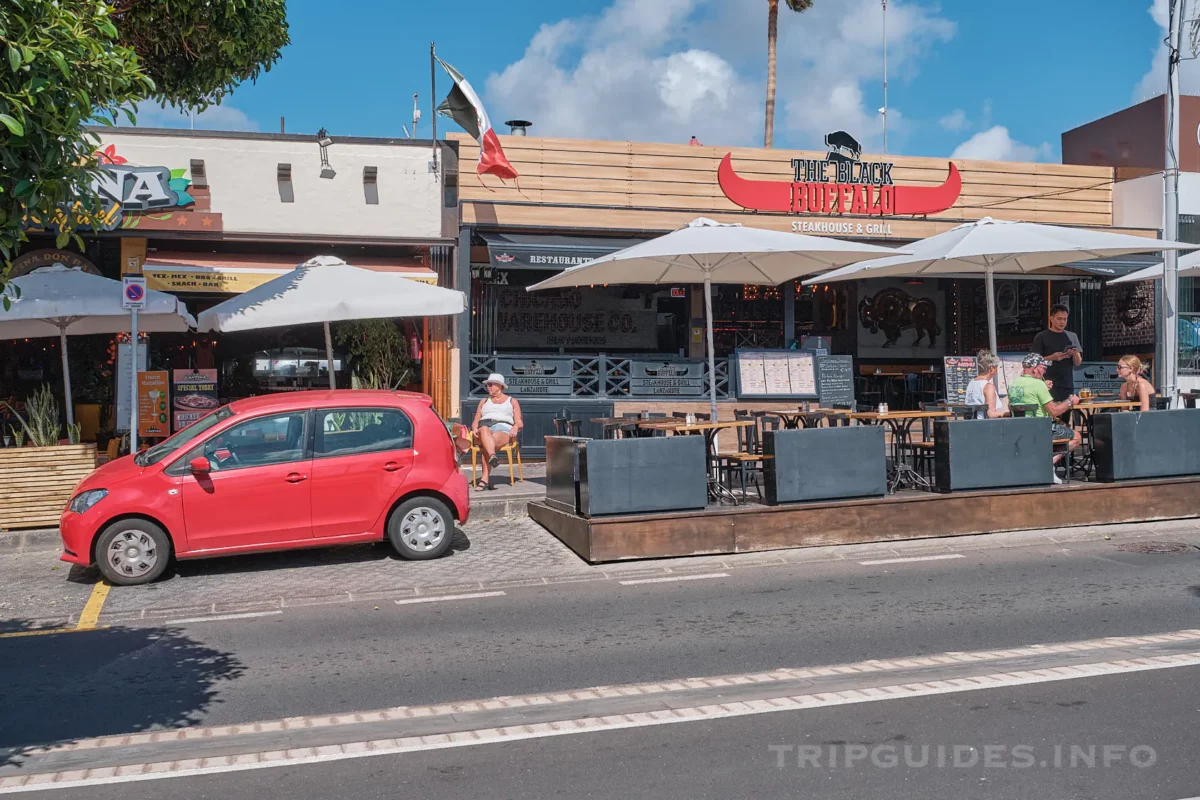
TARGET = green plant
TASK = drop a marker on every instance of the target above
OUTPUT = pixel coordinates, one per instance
(74, 430)
(65, 64)
(377, 353)
(41, 426)
(18, 435)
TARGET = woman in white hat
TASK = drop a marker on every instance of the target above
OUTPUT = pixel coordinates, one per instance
(497, 422)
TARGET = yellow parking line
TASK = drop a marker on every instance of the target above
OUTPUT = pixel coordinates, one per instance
(44, 632)
(91, 612)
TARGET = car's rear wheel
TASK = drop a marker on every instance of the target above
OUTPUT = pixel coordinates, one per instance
(421, 528)
(132, 551)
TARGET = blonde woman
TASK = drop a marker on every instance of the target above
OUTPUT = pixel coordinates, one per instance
(981, 392)
(1135, 386)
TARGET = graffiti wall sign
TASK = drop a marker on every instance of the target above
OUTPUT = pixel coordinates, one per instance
(898, 320)
(841, 183)
(573, 318)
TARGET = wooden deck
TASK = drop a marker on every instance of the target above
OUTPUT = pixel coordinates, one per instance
(907, 515)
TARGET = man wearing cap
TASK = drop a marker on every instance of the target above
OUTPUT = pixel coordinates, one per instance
(497, 422)
(1030, 390)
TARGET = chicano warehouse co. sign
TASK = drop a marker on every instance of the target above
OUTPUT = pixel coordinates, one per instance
(841, 183)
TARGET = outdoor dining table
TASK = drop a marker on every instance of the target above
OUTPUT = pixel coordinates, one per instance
(709, 431)
(614, 424)
(793, 420)
(900, 423)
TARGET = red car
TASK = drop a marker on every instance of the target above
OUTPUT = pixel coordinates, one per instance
(284, 471)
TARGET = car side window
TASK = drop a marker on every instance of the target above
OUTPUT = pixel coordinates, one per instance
(277, 439)
(358, 431)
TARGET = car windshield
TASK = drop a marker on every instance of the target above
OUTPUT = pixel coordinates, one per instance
(168, 446)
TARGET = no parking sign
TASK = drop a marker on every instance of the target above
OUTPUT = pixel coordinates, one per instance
(134, 294)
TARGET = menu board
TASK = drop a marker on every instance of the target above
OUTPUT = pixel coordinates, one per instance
(154, 421)
(124, 377)
(780, 374)
(959, 372)
(195, 394)
(835, 381)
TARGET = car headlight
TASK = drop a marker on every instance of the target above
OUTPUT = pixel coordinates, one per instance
(85, 500)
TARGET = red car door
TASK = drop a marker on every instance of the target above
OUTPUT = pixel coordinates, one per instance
(259, 488)
(361, 459)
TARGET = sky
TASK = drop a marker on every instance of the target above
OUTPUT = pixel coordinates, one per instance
(966, 78)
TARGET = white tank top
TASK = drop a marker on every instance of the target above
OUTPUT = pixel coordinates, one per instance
(499, 412)
(975, 396)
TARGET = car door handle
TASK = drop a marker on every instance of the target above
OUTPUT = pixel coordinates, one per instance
(295, 477)
(392, 466)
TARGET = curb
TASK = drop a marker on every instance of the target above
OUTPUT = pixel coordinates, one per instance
(500, 508)
(31, 540)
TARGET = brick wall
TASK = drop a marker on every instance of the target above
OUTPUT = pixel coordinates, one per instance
(1128, 315)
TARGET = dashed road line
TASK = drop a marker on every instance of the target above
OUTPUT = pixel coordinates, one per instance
(673, 578)
(95, 604)
(222, 617)
(910, 559)
(441, 598)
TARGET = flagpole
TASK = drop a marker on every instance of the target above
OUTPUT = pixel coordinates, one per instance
(433, 101)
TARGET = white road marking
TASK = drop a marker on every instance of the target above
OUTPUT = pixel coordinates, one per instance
(439, 599)
(135, 773)
(909, 560)
(222, 617)
(674, 578)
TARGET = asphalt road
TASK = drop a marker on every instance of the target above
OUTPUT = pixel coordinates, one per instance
(362, 656)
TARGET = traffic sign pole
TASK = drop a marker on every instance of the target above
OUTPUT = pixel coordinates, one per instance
(133, 390)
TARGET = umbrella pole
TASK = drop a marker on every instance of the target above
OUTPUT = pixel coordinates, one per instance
(989, 281)
(62, 337)
(712, 361)
(329, 357)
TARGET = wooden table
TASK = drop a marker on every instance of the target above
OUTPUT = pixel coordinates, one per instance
(709, 431)
(793, 420)
(900, 423)
(610, 423)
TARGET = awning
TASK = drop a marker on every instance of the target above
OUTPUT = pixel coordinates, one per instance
(554, 253)
(1116, 267)
(234, 273)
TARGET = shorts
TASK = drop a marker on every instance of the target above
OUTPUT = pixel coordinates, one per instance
(497, 427)
(1062, 431)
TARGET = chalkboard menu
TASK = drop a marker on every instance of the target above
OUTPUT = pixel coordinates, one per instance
(776, 374)
(959, 371)
(835, 381)
(666, 378)
(536, 376)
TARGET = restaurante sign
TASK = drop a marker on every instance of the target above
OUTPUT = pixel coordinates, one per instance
(841, 183)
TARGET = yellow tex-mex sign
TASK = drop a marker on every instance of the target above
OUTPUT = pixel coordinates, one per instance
(227, 280)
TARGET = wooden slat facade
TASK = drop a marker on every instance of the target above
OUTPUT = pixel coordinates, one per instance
(37, 482)
(639, 186)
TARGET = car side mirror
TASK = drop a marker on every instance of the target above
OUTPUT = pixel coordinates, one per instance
(200, 466)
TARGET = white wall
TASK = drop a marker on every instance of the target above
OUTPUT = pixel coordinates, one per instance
(1138, 203)
(241, 175)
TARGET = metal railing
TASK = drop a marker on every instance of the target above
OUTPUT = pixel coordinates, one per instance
(604, 376)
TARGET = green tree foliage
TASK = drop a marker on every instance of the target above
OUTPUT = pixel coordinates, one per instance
(377, 353)
(65, 64)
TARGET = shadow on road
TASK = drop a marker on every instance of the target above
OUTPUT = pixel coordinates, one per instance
(67, 686)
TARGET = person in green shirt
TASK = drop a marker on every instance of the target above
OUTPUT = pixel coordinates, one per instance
(1032, 389)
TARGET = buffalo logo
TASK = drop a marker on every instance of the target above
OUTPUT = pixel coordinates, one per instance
(1134, 304)
(894, 311)
(534, 368)
(842, 147)
(666, 370)
(504, 258)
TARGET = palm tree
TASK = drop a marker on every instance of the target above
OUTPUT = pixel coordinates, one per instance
(772, 34)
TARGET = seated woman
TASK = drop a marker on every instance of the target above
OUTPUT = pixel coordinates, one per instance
(981, 392)
(497, 422)
(1135, 387)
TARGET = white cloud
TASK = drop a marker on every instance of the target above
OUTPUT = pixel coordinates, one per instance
(1154, 82)
(665, 70)
(955, 121)
(213, 118)
(995, 144)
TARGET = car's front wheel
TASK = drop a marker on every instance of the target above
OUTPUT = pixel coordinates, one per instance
(132, 551)
(421, 528)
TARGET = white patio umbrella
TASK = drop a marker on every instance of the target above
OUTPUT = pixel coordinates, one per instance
(326, 289)
(1187, 264)
(992, 246)
(61, 301)
(708, 252)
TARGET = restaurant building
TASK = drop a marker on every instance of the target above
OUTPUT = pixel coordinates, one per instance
(206, 215)
(602, 350)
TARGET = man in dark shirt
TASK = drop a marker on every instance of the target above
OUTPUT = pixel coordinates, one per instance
(1061, 348)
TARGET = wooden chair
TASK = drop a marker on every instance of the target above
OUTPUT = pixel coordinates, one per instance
(564, 426)
(748, 461)
(510, 449)
(1159, 403)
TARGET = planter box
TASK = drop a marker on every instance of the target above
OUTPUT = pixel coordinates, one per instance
(992, 453)
(628, 476)
(825, 464)
(1167, 444)
(37, 482)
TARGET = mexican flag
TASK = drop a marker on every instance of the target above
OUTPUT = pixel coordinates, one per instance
(464, 107)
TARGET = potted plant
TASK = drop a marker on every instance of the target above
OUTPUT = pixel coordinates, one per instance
(38, 479)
